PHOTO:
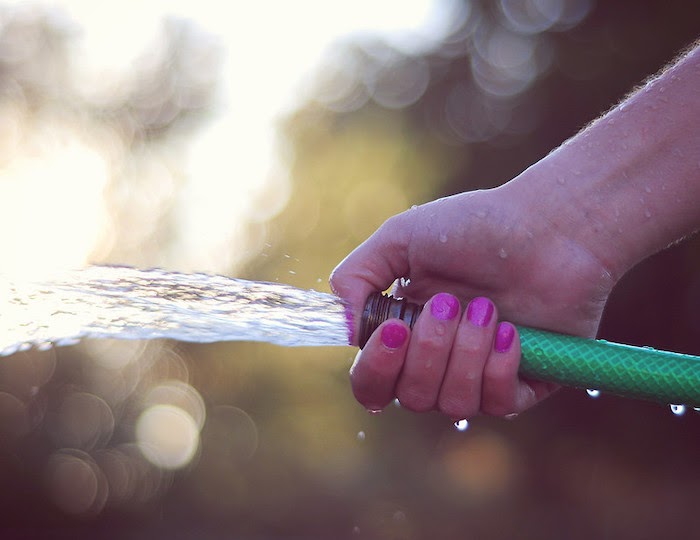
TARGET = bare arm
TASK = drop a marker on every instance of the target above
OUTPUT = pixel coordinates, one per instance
(629, 184)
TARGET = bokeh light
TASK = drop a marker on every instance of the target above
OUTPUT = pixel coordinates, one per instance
(167, 436)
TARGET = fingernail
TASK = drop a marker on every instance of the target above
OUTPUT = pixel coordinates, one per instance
(504, 337)
(480, 311)
(444, 307)
(394, 335)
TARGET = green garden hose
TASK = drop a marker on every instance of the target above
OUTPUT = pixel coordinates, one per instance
(624, 370)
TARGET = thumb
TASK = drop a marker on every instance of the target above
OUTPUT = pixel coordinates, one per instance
(373, 266)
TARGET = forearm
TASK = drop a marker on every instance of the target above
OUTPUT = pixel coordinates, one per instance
(629, 184)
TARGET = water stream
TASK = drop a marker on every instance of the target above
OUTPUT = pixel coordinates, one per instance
(126, 303)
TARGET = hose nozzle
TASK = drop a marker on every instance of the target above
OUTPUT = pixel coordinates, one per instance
(379, 307)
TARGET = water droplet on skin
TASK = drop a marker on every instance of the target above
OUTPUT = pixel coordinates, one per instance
(442, 237)
(503, 254)
(647, 189)
(397, 403)
(360, 435)
(647, 213)
(622, 107)
(511, 416)
(678, 410)
(292, 272)
(593, 393)
(414, 207)
(462, 425)
(374, 411)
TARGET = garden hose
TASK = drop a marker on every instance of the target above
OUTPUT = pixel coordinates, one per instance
(624, 370)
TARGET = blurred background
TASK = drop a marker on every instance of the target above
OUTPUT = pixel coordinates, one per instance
(266, 141)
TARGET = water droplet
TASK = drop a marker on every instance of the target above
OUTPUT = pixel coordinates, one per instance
(397, 403)
(647, 213)
(442, 237)
(319, 280)
(292, 272)
(360, 435)
(503, 254)
(462, 424)
(511, 416)
(374, 411)
(678, 410)
(647, 189)
(593, 393)
(696, 409)
(413, 207)
(561, 180)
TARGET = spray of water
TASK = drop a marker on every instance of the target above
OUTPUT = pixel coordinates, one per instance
(126, 303)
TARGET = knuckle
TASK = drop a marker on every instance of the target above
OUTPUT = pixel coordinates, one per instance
(415, 398)
(455, 407)
(496, 406)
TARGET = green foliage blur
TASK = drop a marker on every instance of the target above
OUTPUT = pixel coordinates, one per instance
(285, 451)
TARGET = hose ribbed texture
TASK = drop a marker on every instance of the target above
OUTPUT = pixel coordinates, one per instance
(637, 372)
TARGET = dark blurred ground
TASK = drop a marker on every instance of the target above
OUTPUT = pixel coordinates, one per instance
(285, 452)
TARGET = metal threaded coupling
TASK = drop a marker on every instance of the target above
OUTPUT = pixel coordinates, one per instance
(379, 307)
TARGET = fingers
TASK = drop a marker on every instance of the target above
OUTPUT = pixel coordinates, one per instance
(503, 392)
(460, 396)
(377, 367)
(428, 352)
(461, 366)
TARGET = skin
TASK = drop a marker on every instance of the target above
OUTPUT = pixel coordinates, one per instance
(543, 250)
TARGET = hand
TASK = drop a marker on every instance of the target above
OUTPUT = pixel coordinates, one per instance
(491, 243)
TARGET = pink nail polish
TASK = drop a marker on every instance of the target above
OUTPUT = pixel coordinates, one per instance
(480, 311)
(444, 307)
(394, 335)
(504, 337)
